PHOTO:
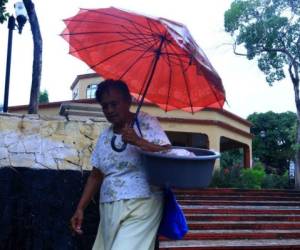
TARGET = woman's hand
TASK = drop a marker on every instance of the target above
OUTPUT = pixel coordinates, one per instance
(92, 185)
(130, 136)
(76, 221)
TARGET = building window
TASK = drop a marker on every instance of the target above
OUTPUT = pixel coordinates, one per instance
(91, 91)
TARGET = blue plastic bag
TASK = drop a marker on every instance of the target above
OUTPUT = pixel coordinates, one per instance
(173, 224)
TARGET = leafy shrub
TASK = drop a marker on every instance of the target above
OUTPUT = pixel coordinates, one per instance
(226, 177)
(248, 178)
(252, 178)
(276, 181)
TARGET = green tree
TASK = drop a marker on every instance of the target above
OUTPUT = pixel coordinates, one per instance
(3, 13)
(274, 139)
(269, 30)
(44, 97)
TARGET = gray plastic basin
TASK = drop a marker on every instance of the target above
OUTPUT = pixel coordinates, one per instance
(180, 171)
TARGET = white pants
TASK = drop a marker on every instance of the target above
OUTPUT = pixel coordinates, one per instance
(129, 224)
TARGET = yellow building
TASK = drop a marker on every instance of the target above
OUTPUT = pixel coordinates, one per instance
(84, 86)
(214, 129)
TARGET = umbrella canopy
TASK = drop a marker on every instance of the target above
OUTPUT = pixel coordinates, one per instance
(156, 57)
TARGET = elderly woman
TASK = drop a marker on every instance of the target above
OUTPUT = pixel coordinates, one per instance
(130, 208)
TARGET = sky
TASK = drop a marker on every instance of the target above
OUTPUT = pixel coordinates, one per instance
(246, 88)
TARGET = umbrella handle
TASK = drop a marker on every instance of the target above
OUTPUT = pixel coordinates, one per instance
(114, 147)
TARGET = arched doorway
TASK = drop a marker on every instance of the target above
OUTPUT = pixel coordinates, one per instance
(227, 144)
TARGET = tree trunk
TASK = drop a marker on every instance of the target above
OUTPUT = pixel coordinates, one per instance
(295, 81)
(297, 156)
(37, 57)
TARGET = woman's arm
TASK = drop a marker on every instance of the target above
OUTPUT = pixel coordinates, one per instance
(130, 136)
(151, 147)
(91, 187)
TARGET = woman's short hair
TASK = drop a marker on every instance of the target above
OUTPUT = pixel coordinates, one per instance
(106, 85)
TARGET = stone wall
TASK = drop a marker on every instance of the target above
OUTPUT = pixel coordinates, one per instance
(44, 165)
(46, 142)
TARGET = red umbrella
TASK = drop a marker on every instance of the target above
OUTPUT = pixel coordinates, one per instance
(156, 57)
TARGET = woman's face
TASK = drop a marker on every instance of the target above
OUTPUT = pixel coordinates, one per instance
(115, 107)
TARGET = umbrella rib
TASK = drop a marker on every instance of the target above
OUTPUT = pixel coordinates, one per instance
(118, 17)
(151, 21)
(144, 83)
(111, 56)
(170, 77)
(78, 20)
(149, 26)
(174, 54)
(135, 26)
(135, 61)
(105, 32)
(213, 91)
(179, 57)
(138, 30)
(146, 76)
(148, 40)
(99, 44)
(186, 84)
(187, 87)
(185, 69)
(172, 61)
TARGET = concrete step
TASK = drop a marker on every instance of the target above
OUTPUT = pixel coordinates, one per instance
(241, 217)
(236, 198)
(233, 191)
(285, 244)
(243, 225)
(240, 203)
(239, 210)
(231, 219)
(239, 234)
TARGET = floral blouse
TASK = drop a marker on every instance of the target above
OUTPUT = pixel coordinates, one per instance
(123, 175)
